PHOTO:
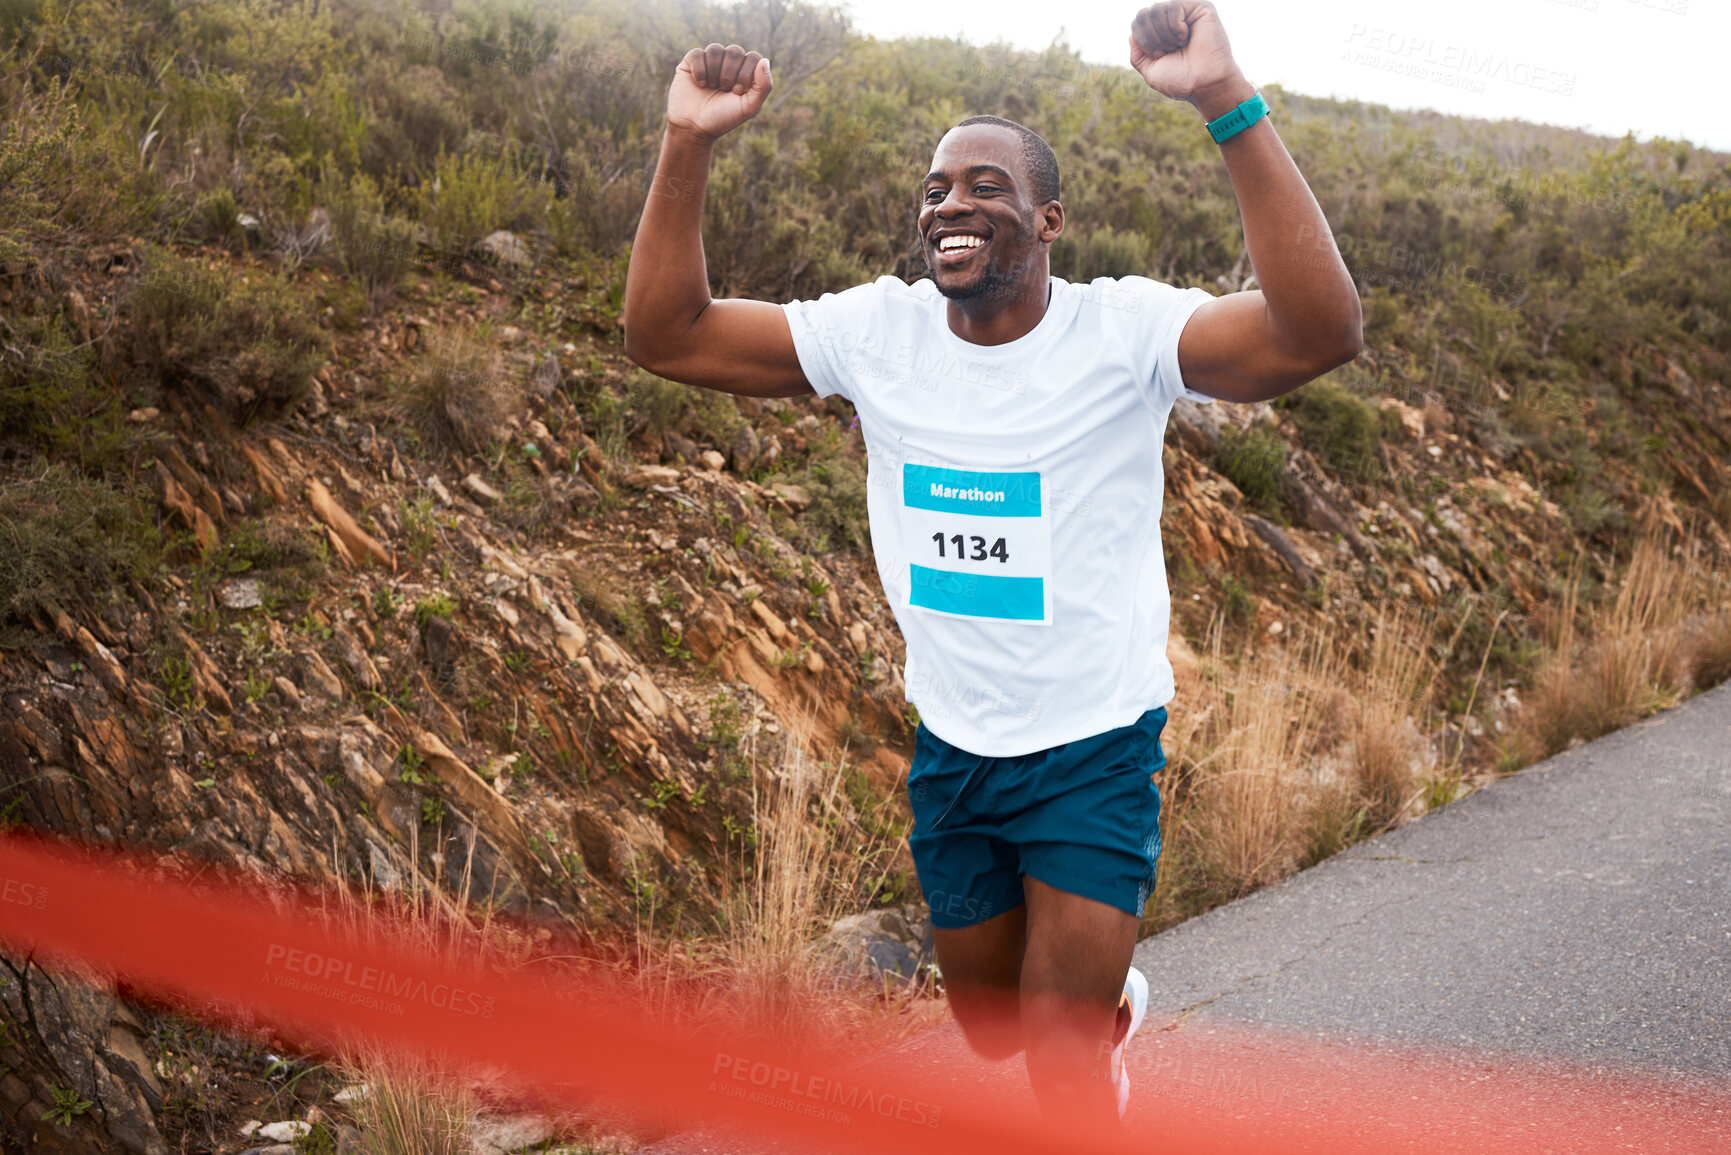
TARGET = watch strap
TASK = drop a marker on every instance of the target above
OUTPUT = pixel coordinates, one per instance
(1224, 128)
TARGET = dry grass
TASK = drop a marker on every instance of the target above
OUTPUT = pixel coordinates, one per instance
(1708, 651)
(410, 1107)
(766, 972)
(1385, 761)
(459, 395)
(1242, 829)
(763, 974)
(1292, 754)
(1633, 658)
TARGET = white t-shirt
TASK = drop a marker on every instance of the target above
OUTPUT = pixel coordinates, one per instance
(1014, 495)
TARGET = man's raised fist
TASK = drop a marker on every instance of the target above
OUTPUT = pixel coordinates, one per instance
(1181, 50)
(717, 89)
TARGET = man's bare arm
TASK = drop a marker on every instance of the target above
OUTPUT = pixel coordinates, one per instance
(672, 326)
(1304, 319)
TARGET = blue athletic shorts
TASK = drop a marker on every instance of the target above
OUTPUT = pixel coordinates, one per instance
(1083, 817)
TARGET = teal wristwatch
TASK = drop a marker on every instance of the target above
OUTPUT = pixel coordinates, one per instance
(1239, 119)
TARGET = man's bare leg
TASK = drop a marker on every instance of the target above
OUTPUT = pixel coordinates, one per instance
(1045, 976)
(982, 968)
(1078, 953)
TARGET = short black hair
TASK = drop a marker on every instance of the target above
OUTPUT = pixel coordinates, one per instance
(1037, 155)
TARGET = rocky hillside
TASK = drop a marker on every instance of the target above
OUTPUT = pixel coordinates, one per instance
(551, 671)
(339, 541)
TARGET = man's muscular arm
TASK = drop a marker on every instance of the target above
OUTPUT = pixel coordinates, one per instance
(672, 326)
(1304, 318)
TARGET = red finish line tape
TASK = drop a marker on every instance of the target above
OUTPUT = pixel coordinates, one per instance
(230, 951)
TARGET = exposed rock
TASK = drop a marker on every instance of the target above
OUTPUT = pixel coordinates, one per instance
(268, 481)
(476, 485)
(615, 840)
(433, 485)
(240, 594)
(196, 486)
(504, 248)
(712, 460)
(1195, 426)
(884, 943)
(1282, 546)
(501, 562)
(207, 679)
(385, 876)
(797, 496)
(354, 656)
(351, 542)
(679, 446)
(287, 691)
(317, 679)
(569, 637)
(315, 404)
(646, 475)
(70, 1030)
(286, 1131)
(97, 657)
(745, 449)
(178, 502)
(438, 642)
(469, 788)
(489, 1136)
(776, 627)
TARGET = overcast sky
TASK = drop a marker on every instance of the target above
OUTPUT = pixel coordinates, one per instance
(1654, 67)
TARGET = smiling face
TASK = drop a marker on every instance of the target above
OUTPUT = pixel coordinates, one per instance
(985, 235)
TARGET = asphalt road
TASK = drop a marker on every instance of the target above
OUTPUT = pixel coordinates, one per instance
(1579, 910)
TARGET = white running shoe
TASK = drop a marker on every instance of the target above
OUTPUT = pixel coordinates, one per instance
(1132, 1008)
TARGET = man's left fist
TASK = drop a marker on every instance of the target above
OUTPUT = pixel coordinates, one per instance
(1181, 50)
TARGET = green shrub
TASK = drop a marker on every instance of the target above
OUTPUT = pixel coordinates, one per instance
(434, 605)
(370, 244)
(416, 117)
(702, 414)
(63, 174)
(1341, 427)
(216, 218)
(471, 196)
(837, 484)
(1105, 252)
(53, 396)
(63, 535)
(246, 343)
(1253, 459)
(459, 394)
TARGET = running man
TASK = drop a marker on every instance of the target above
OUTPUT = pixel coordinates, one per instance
(1013, 423)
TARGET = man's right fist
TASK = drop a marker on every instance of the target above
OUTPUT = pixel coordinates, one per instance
(717, 89)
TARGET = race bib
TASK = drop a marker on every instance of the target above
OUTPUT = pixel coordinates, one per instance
(979, 544)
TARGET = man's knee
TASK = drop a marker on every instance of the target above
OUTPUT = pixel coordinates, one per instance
(990, 1021)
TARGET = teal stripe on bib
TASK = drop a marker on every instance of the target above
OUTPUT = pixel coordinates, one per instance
(1021, 599)
(979, 494)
